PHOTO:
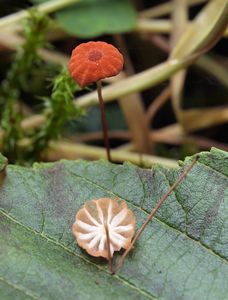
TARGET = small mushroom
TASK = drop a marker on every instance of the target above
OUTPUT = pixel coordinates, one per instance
(91, 62)
(103, 226)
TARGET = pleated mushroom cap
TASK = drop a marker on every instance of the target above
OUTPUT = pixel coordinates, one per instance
(94, 61)
(89, 226)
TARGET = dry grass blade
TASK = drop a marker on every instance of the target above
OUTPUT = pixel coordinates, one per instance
(160, 100)
(157, 103)
(164, 9)
(212, 22)
(180, 21)
(207, 63)
(12, 40)
(215, 68)
(97, 135)
(59, 150)
(158, 26)
(174, 135)
(134, 115)
(205, 117)
(47, 7)
(132, 106)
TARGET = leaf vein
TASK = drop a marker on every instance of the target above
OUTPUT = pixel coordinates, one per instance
(16, 287)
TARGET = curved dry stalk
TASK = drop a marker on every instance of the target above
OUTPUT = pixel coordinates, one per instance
(46, 8)
(207, 63)
(164, 9)
(179, 21)
(132, 106)
(160, 41)
(174, 135)
(150, 216)
(12, 40)
(58, 150)
(200, 118)
(169, 135)
(212, 65)
(157, 103)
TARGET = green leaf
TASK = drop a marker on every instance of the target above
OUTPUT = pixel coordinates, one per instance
(91, 18)
(181, 255)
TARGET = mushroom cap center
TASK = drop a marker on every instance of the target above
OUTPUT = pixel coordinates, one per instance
(95, 55)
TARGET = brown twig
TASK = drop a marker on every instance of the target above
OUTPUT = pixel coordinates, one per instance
(160, 41)
(150, 216)
(103, 120)
(160, 100)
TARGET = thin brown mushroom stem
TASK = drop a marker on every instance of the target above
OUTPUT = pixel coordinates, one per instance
(109, 249)
(103, 120)
(150, 216)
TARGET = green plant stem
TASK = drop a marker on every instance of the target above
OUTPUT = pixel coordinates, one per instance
(150, 216)
(59, 109)
(103, 119)
(16, 80)
(46, 8)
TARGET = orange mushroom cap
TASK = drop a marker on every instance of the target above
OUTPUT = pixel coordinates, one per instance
(91, 220)
(94, 61)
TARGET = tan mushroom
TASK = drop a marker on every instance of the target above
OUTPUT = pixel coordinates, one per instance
(103, 226)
